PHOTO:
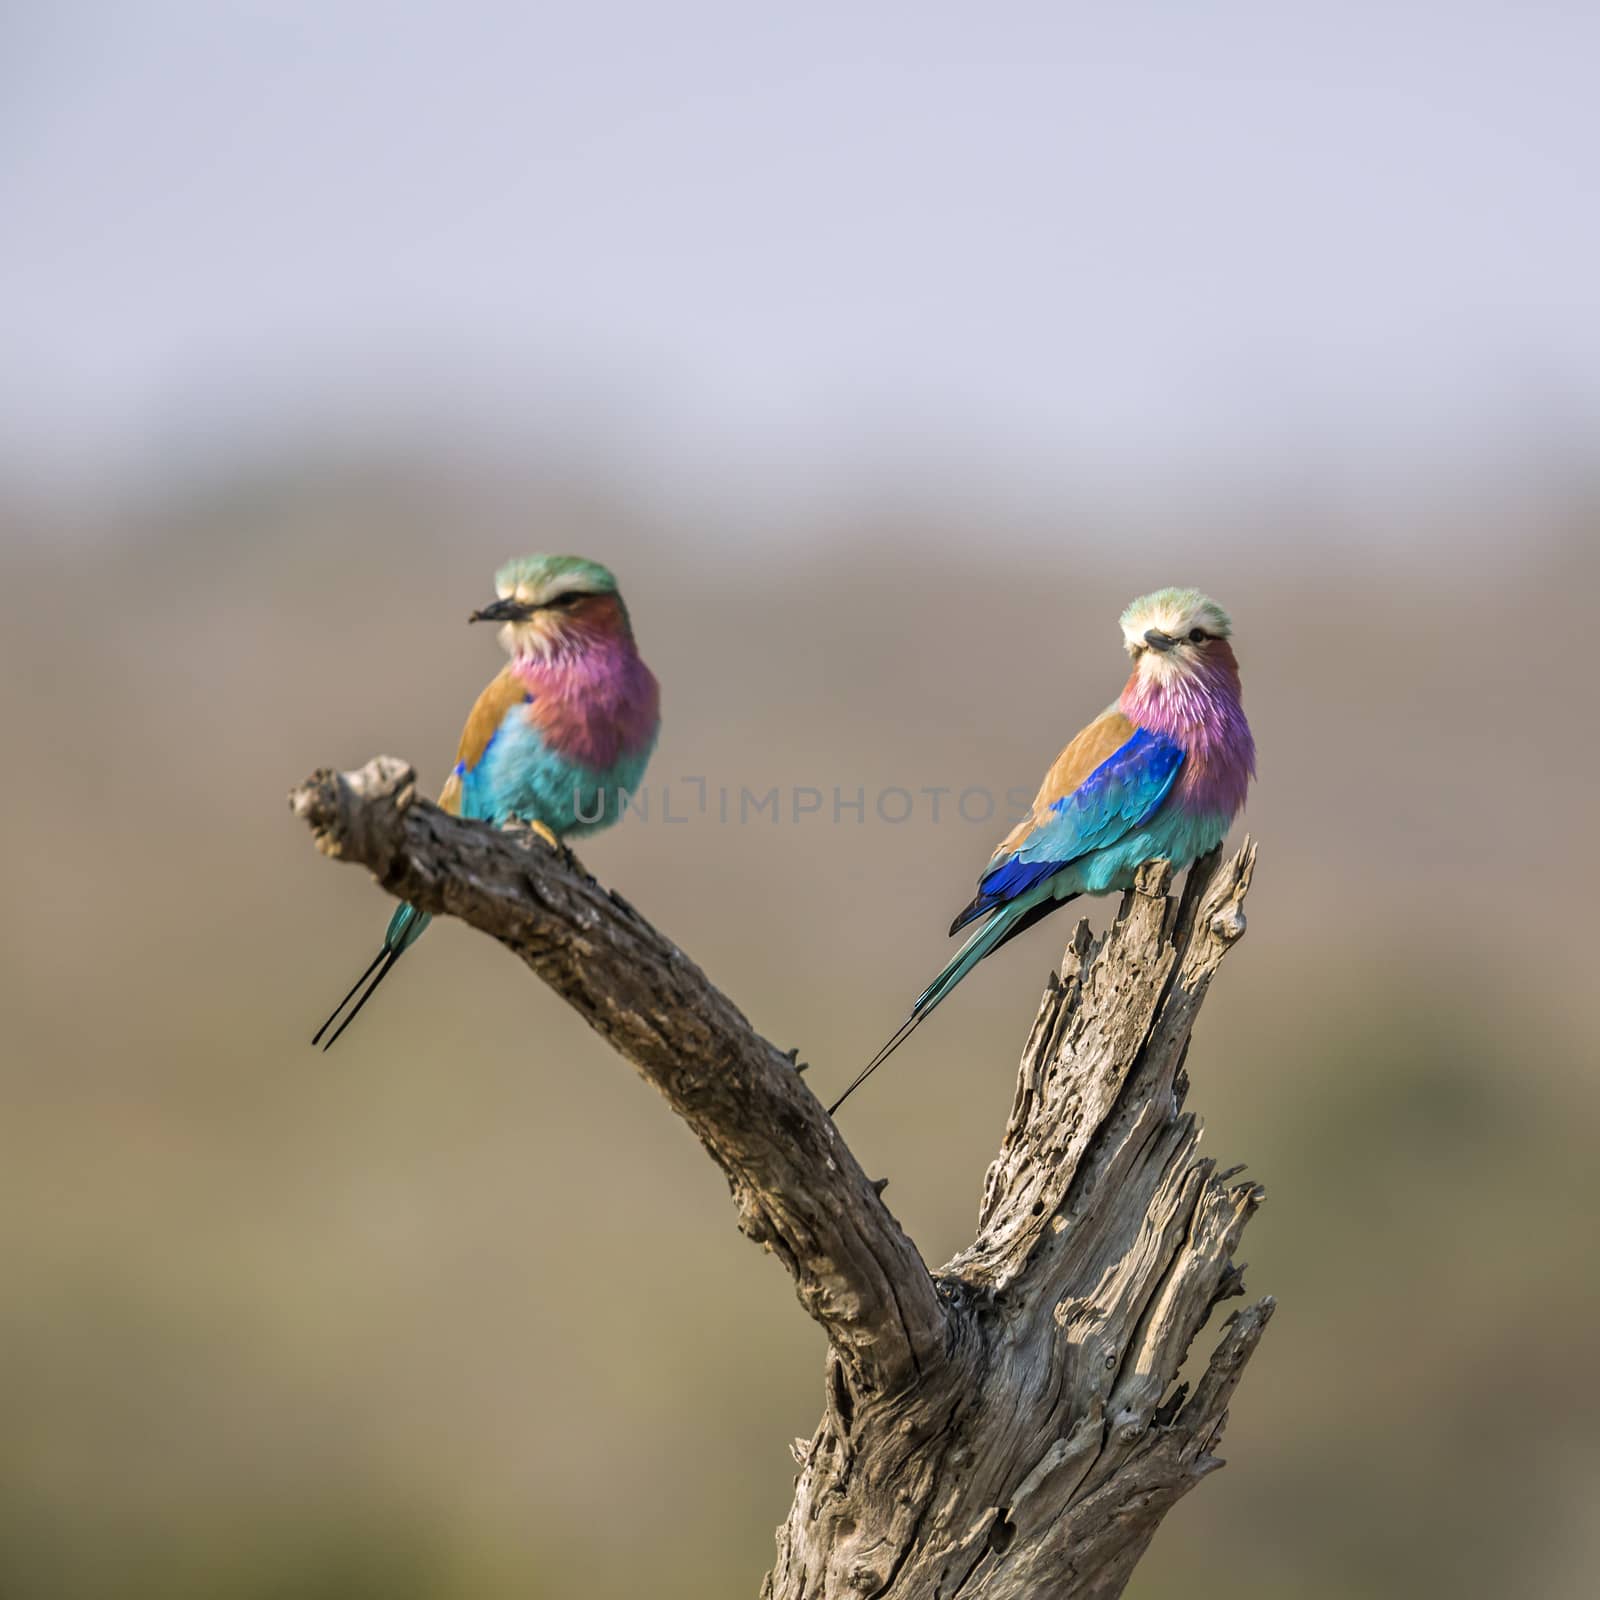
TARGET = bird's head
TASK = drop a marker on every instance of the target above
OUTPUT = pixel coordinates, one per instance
(1175, 633)
(549, 603)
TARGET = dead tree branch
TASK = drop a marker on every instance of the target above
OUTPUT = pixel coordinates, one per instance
(1012, 1426)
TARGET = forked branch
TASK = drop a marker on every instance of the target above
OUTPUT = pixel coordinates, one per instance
(1014, 1426)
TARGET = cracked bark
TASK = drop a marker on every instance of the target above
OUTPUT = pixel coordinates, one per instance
(1013, 1425)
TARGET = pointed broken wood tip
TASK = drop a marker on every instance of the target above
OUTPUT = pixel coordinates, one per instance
(1244, 1325)
(1244, 864)
(879, 1185)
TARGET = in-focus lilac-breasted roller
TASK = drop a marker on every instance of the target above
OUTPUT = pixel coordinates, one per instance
(1160, 775)
(561, 735)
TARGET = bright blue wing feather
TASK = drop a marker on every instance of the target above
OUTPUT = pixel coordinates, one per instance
(1119, 795)
(1014, 876)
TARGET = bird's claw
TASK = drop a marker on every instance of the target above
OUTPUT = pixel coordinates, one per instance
(548, 836)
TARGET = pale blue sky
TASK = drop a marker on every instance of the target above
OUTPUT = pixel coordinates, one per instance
(751, 237)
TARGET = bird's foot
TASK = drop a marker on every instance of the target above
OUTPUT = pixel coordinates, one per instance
(547, 835)
(561, 848)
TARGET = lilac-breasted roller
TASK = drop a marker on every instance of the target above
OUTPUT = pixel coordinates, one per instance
(1160, 775)
(560, 737)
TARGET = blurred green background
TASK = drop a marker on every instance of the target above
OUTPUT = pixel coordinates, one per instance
(884, 358)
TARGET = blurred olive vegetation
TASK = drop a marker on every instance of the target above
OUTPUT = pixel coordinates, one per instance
(460, 1311)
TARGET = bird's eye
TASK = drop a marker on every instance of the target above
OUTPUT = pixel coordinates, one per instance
(1197, 636)
(570, 598)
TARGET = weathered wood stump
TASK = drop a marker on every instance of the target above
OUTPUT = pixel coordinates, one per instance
(1014, 1425)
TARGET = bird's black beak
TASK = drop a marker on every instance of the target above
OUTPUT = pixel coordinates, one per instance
(1157, 640)
(504, 611)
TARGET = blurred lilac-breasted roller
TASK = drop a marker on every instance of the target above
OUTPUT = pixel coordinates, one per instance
(560, 737)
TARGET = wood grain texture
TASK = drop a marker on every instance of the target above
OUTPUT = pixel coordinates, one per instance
(1014, 1425)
